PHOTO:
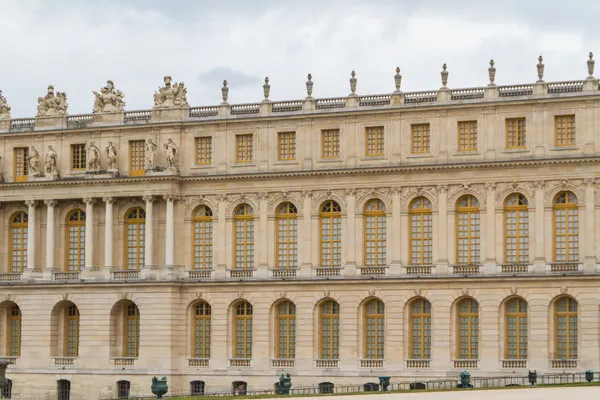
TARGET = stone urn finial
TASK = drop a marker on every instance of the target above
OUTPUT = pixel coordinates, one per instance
(397, 80)
(353, 81)
(266, 88)
(492, 73)
(224, 92)
(309, 86)
(540, 70)
(444, 76)
(590, 65)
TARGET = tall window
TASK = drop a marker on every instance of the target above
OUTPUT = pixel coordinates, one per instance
(204, 150)
(286, 223)
(64, 389)
(420, 138)
(286, 330)
(516, 329)
(132, 331)
(330, 143)
(123, 389)
(21, 167)
(516, 137)
(566, 330)
(375, 142)
(374, 333)
(197, 388)
(468, 330)
(202, 237)
(564, 126)
(137, 154)
(375, 233)
(467, 135)
(18, 242)
(468, 231)
(243, 220)
(242, 322)
(421, 232)
(329, 330)
(566, 228)
(14, 331)
(516, 229)
(244, 145)
(202, 330)
(78, 156)
(72, 332)
(420, 330)
(135, 226)
(75, 240)
(331, 234)
(286, 146)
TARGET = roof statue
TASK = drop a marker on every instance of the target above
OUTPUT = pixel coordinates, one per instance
(171, 95)
(4, 108)
(52, 105)
(109, 99)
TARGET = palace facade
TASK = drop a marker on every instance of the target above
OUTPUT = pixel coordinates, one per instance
(415, 235)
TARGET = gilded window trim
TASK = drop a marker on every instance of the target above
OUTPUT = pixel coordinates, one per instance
(380, 212)
(291, 137)
(377, 317)
(517, 133)
(567, 143)
(469, 135)
(421, 316)
(208, 154)
(378, 134)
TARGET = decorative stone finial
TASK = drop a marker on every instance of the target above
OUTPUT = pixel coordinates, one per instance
(540, 70)
(109, 99)
(353, 81)
(444, 77)
(397, 80)
(267, 88)
(492, 73)
(224, 92)
(52, 105)
(309, 86)
(4, 108)
(590, 64)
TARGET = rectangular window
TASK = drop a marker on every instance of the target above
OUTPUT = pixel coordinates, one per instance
(204, 150)
(286, 146)
(20, 158)
(516, 137)
(375, 141)
(78, 156)
(245, 148)
(467, 136)
(421, 139)
(564, 126)
(137, 153)
(330, 143)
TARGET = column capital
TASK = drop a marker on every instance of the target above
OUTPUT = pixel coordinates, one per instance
(88, 200)
(109, 200)
(50, 203)
(30, 203)
(170, 197)
(149, 198)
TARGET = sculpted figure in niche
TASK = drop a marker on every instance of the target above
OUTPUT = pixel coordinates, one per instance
(109, 99)
(150, 153)
(171, 95)
(4, 108)
(172, 153)
(93, 158)
(111, 153)
(34, 162)
(50, 161)
(52, 105)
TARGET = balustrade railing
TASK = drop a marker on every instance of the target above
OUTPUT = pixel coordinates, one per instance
(419, 269)
(244, 109)
(132, 275)
(241, 273)
(515, 90)
(138, 116)
(565, 87)
(327, 363)
(283, 363)
(64, 361)
(418, 364)
(466, 269)
(79, 121)
(240, 362)
(333, 102)
(564, 267)
(514, 268)
(564, 364)
(199, 362)
(284, 272)
(201, 112)
(465, 364)
(11, 277)
(9, 359)
(328, 271)
(513, 364)
(467, 94)
(375, 100)
(66, 276)
(369, 363)
(200, 273)
(373, 271)
(123, 361)
(22, 124)
(420, 97)
(287, 106)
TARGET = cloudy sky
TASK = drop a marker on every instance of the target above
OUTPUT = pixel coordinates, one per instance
(77, 46)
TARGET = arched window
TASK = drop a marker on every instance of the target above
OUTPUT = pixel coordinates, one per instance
(135, 226)
(566, 329)
(75, 240)
(286, 225)
(421, 232)
(17, 251)
(331, 235)
(123, 389)
(375, 232)
(566, 228)
(14, 331)
(132, 331)
(64, 389)
(468, 329)
(420, 330)
(197, 388)
(243, 219)
(374, 329)
(286, 330)
(242, 321)
(72, 332)
(202, 330)
(202, 237)
(516, 229)
(329, 330)
(468, 231)
(325, 387)
(516, 329)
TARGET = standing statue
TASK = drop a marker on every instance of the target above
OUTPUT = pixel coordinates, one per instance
(4, 108)
(172, 153)
(52, 105)
(111, 153)
(109, 99)
(34, 162)
(150, 153)
(51, 163)
(93, 158)
(171, 96)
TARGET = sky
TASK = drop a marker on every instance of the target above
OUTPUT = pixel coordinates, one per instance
(76, 46)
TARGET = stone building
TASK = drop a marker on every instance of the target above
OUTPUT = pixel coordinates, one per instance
(414, 235)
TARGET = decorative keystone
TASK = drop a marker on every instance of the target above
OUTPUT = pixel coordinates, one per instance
(397, 80)
(492, 73)
(540, 70)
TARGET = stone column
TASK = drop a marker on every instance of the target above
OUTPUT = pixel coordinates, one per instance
(89, 233)
(262, 234)
(108, 231)
(149, 245)
(169, 234)
(305, 250)
(589, 259)
(349, 235)
(50, 204)
(490, 232)
(539, 262)
(220, 239)
(442, 243)
(31, 232)
(396, 235)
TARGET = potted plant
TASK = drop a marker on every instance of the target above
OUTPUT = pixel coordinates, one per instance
(589, 375)
(532, 377)
(159, 387)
